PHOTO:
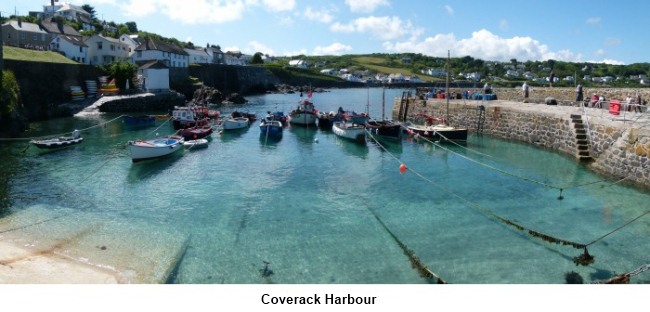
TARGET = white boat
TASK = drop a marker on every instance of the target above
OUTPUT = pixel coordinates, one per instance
(349, 130)
(195, 143)
(150, 149)
(304, 114)
(60, 141)
(234, 123)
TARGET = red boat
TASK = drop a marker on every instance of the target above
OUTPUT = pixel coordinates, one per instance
(195, 133)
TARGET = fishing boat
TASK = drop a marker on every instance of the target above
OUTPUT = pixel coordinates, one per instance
(196, 132)
(186, 117)
(305, 114)
(141, 120)
(384, 128)
(438, 128)
(62, 141)
(195, 143)
(252, 117)
(156, 148)
(271, 128)
(234, 123)
(349, 130)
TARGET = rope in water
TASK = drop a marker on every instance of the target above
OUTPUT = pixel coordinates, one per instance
(560, 188)
(625, 277)
(584, 259)
(61, 134)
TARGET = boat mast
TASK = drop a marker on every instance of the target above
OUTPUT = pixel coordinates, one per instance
(447, 90)
(383, 103)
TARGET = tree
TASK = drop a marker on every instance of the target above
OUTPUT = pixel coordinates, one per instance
(257, 58)
(122, 71)
(90, 9)
(133, 27)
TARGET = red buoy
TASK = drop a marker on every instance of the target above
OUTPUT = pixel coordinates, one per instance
(402, 168)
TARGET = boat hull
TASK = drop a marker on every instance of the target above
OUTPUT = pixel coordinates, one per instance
(305, 119)
(350, 131)
(56, 143)
(271, 129)
(139, 120)
(235, 123)
(385, 129)
(152, 149)
(442, 133)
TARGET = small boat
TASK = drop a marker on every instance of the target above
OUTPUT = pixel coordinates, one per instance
(234, 123)
(150, 149)
(304, 114)
(141, 120)
(385, 129)
(250, 115)
(194, 133)
(186, 117)
(359, 118)
(196, 143)
(350, 130)
(281, 117)
(326, 120)
(271, 128)
(63, 141)
(437, 132)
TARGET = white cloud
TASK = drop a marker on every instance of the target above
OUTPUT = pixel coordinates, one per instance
(254, 47)
(188, 11)
(279, 5)
(322, 15)
(483, 45)
(449, 9)
(385, 28)
(365, 6)
(593, 21)
(333, 49)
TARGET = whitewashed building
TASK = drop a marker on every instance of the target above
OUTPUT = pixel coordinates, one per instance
(72, 47)
(154, 76)
(198, 56)
(105, 50)
(154, 50)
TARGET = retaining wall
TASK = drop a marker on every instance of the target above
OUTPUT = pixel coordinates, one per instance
(620, 145)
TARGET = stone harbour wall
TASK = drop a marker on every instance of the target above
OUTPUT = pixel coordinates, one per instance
(620, 145)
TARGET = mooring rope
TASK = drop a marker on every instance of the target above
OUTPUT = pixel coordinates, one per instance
(548, 185)
(625, 277)
(584, 259)
(60, 134)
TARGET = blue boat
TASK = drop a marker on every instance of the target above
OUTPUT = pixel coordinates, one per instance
(142, 120)
(271, 128)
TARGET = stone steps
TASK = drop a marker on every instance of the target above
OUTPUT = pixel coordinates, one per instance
(582, 140)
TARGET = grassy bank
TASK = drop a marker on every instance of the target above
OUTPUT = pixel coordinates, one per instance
(18, 54)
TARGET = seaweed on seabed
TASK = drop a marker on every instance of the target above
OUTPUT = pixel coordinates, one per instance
(584, 259)
(421, 267)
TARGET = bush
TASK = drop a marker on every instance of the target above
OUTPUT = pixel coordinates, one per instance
(9, 94)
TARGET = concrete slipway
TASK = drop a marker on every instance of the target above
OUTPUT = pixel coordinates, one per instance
(42, 245)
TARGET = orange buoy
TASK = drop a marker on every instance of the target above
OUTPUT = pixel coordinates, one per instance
(402, 168)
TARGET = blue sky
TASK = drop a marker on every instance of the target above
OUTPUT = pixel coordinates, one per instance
(568, 30)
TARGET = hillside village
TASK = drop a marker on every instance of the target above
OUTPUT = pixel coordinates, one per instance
(76, 33)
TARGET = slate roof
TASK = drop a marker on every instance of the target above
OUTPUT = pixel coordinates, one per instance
(152, 44)
(56, 28)
(23, 26)
(153, 65)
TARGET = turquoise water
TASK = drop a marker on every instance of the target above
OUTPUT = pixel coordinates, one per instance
(323, 210)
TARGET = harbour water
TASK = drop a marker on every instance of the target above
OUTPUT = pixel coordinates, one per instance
(314, 209)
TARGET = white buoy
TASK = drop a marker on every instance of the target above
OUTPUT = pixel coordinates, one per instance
(315, 140)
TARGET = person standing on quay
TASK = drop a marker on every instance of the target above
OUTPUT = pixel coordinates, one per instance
(524, 89)
(579, 93)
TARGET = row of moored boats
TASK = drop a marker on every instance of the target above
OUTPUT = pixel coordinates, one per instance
(194, 127)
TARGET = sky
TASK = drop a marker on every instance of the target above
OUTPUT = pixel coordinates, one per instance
(597, 31)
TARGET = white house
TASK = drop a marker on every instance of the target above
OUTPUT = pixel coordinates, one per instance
(395, 78)
(234, 58)
(329, 71)
(154, 76)
(198, 56)
(154, 50)
(216, 56)
(68, 11)
(298, 63)
(131, 42)
(104, 50)
(71, 46)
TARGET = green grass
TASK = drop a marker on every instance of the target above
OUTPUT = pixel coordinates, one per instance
(18, 54)
(377, 64)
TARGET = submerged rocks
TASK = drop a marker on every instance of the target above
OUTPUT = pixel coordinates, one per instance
(209, 95)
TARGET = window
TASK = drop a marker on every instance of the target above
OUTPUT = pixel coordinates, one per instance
(112, 47)
(35, 37)
(22, 35)
(99, 45)
(81, 49)
(139, 54)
